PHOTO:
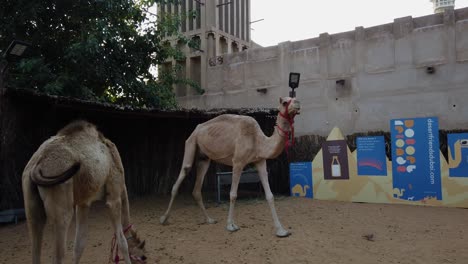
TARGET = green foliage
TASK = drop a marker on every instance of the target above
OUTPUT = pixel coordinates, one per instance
(96, 49)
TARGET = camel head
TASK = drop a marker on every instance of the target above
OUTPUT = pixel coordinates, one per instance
(464, 143)
(289, 106)
(136, 248)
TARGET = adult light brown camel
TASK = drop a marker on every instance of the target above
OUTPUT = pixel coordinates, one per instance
(236, 141)
(73, 169)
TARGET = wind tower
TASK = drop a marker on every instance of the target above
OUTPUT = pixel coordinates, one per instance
(441, 5)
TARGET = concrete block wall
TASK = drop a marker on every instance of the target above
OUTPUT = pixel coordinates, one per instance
(386, 70)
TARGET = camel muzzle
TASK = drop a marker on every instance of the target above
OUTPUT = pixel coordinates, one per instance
(296, 107)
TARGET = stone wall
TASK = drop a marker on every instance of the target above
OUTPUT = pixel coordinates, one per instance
(412, 67)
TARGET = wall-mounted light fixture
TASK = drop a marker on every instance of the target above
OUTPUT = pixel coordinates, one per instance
(430, 70)
(293, 82)
(262, 90)
(15, 51)
(340, 82)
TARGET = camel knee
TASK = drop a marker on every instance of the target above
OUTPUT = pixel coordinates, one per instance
(269, 196)
(197, 195)
(186, 169)
(113, 205)
(233, 196)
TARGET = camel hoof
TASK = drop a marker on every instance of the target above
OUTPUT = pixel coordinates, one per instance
(211, 221)
(232, 227)
(283, 233)
(163, 220)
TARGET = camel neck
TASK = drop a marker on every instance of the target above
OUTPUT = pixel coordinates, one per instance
(276, 142)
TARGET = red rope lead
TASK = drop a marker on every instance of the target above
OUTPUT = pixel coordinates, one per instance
(115, 246)
(289, 135)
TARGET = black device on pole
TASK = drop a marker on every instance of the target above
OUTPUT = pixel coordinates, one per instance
(293, 82)
(15, 51)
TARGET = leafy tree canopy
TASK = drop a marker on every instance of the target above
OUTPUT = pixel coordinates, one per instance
(93, 49)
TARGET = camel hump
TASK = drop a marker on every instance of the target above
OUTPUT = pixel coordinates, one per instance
(38, 178)
(227, 123)
(77, 126)
(230, 118)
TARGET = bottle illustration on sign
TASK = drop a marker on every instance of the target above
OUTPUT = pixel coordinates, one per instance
(336, 167)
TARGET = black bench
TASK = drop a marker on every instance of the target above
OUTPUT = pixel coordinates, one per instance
(225, 178)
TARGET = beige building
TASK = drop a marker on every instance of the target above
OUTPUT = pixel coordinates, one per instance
(222, 27)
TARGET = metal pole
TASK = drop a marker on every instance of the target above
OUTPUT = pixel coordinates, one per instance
(292, 94)
(3, 68)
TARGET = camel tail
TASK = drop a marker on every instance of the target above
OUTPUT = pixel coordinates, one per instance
(46, 181)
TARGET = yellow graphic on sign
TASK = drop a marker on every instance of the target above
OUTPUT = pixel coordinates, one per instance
(299, 190)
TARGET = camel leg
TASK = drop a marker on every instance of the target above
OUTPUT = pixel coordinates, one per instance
(263, 174)
(202, 168)
(125, 208)
(61, 230)
(81, 232)
(58, 203)
(183, 172)
(189, 156)
(236, 173)
(36, 227)
(36, 219)
(115, 211)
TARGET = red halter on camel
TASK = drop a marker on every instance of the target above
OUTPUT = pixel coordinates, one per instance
(289, 135)
(115, 247)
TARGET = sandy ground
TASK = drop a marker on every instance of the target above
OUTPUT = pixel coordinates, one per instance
(322, 232)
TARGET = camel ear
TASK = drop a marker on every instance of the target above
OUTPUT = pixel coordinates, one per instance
(281, 100)
(141, 245)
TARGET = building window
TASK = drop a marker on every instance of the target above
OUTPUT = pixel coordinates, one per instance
(232, 20)
(224, 45)
(181, 88)
(184, 14)
(198, 15)
(443, 3)
(220, 16)
(197, 44)
(190, 18)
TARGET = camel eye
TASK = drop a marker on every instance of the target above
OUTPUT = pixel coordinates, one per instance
(285, 103)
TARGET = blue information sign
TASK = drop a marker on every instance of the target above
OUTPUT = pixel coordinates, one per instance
(416, 159)
(371, 156)
(301, 179)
